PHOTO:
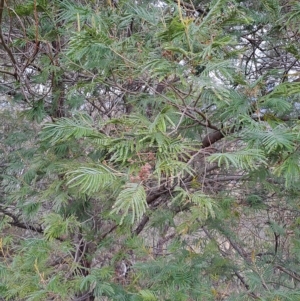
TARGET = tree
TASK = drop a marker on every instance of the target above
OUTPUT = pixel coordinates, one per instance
(150, 150)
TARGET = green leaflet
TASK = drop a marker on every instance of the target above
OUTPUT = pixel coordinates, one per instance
(131, 200)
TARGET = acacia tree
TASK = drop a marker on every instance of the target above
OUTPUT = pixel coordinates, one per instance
(150, 150)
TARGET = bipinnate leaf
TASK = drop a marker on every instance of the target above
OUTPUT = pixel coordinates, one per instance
(132, 199)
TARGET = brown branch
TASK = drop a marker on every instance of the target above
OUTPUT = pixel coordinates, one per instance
(225, 178)
(157, 192)
(141, 225)
(17, 223)
(8, 51)
(21, 225)
(37, 42)
(212, 138)
(236, 272)
(158, 250)
(189, 6)
(7, 72)
(290, 273)
(154, 201)
(108, 232)
(215, 136)
(209, 125)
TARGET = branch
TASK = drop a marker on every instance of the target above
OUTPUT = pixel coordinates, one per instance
(108, 232)
(141, 225)
(292, 274)
(225, 178)
(215, 136)
(198, 9)
(2, 39)
(236, 272)
(212, 137)
(7, 72)
(17, 223)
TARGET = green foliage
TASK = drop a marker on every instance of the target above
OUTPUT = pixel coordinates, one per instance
(149, 151)
(97, 279)
(133, 198)
(56, 226)
(91, 180)
(79, 126)
(243, 159)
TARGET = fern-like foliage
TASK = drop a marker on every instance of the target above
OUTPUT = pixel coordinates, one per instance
(91, 180)
(56, 226)
(131, 200)
(79, 126)
(245, 159)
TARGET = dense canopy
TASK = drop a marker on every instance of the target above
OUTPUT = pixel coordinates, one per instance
(149, 150)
